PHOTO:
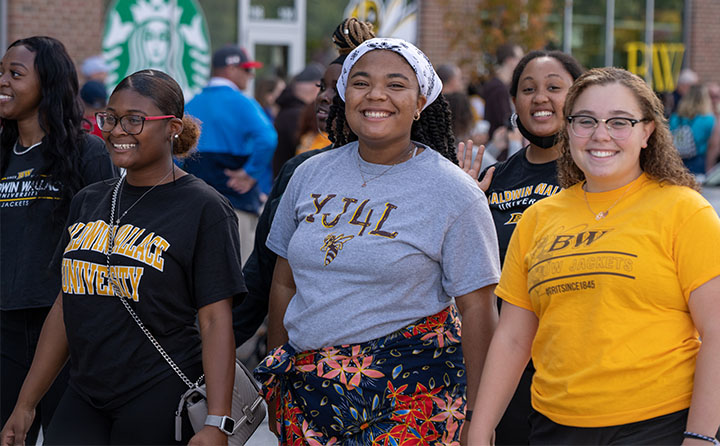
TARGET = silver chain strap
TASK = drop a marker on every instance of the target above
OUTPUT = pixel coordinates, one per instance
(117, 290)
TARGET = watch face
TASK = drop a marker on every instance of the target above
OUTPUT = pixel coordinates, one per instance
(228, 425)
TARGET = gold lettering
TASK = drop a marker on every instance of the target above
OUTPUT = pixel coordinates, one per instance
(66, 275)
(378, 227)
(142, 248)
(161, 245)
(135, 275)
(355, 218)
(330, 224)
(318, 205)
(90, 233)
(77, 276)
(101, 243)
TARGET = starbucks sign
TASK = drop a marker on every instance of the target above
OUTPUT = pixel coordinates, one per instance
(168, 35)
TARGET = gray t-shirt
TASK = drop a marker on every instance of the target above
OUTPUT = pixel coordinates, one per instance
(370, 260)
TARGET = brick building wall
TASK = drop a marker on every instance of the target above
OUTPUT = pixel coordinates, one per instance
(76, 23)
(433, 36)
(705, 39)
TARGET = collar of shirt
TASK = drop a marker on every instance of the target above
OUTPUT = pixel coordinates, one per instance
(222, 82)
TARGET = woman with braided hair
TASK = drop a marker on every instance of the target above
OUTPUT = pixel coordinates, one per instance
(371, 253)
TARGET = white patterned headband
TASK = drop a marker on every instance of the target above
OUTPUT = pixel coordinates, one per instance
(430, 83)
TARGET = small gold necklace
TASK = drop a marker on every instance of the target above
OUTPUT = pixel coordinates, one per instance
(602, 214)
(402, 156)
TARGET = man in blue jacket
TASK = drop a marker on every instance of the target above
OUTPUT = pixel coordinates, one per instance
(237, 142)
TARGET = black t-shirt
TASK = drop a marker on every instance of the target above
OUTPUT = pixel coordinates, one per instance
(29, 232)
(516, 184)
(176, 250)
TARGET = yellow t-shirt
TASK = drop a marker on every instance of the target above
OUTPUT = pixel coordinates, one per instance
(615, 341)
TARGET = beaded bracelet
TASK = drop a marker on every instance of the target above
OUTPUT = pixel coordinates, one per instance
(713, 440)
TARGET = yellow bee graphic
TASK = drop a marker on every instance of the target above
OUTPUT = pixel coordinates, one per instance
(333, 244)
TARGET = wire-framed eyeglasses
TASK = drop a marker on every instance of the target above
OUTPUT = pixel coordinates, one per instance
(132, 124)
(584, 126)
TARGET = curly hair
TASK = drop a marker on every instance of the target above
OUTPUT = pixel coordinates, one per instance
(659, 160)
(60, 117)
(167, 95)
(434, 128)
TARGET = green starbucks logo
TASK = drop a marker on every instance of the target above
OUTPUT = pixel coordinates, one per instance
(168, 35)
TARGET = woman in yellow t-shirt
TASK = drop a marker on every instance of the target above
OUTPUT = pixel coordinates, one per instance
(610, 285)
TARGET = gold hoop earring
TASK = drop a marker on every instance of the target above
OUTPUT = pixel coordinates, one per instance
(416, 116)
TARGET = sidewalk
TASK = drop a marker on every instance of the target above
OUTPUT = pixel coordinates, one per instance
(262, 436)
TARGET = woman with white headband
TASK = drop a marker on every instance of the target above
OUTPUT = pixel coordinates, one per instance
(374, 240)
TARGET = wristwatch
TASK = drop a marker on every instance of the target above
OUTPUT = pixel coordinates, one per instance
(224, 423)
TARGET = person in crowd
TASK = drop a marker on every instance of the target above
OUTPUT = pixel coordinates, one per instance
(123, 241)
(713, 156)
(611, 285)
(686, 79)
(379, 358)
(94, 99)
(310, 136)
(258, 270)
(95, 68)
(238, 140)
(292, 101)
(692, 126)
(540, 83)
(452, 79)
(45, 159)
(267, 90)
(462, 118)
(498, 106)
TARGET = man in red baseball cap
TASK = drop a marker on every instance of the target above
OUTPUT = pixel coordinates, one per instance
(232, 62)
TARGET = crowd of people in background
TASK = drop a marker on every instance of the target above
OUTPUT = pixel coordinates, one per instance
(416, 256)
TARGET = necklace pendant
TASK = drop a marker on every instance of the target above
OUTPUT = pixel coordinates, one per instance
(363, 185)
(601, 215)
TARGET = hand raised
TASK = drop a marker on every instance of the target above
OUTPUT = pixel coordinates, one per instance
(472, 167)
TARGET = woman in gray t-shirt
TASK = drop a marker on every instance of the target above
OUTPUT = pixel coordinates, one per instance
(374, 240)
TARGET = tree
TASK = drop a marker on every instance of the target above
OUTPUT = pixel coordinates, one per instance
(481, 26)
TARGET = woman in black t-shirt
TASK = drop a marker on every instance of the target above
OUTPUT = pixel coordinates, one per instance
(540, 83)
(174, 257)
(45, 159)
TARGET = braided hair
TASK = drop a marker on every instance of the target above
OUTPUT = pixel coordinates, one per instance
(349, 34)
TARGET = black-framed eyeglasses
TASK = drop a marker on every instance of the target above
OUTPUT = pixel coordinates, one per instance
(132, 124)
(584, 126)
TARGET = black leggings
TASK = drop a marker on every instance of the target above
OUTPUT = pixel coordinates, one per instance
(19, 334)
(146, 419)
